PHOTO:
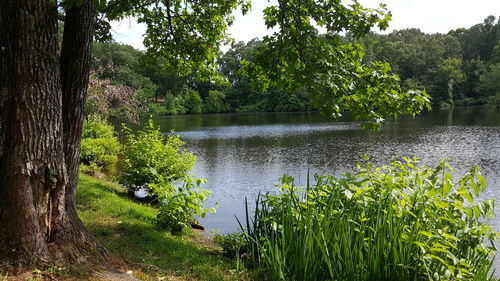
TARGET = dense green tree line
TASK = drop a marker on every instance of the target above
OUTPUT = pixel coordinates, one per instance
(460, 67)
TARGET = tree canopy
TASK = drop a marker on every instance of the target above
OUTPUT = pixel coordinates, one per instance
(306, 54)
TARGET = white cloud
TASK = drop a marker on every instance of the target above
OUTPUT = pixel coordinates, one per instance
(441, 16)
(128, 31)
(249, 26)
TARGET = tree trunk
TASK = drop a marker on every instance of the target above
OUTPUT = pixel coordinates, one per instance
(40, 132)
(75, 67)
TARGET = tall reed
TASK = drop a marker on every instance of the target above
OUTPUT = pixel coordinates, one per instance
(396, 222)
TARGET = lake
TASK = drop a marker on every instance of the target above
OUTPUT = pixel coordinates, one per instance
(241, 155)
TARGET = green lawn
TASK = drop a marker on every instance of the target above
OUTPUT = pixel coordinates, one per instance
(127, 229)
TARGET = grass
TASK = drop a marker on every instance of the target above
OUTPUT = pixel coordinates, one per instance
(126, 228)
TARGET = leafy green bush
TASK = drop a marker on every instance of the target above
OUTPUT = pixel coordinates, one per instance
(233, 244)
(101, 152)
(95, 127)
(215, 102)
(192, 100)
(99, 146)
(174, 104)
(180, 203)
(494, 100)
(148, 155)
(397, 222)
(161, 164)
(259, 106)
(156, 109)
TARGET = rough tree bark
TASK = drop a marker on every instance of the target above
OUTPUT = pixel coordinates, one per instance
(41, 101)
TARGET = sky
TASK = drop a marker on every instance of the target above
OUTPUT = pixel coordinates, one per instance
(430, 16)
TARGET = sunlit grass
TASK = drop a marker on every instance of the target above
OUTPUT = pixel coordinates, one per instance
(126, 228)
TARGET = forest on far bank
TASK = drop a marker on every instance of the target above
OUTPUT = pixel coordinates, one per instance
(461, 67)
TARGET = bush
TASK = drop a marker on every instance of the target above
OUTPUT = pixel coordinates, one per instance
(101, 152)
(179, 204)
(148, 155)
(232, 244)
(215, 102)
(260, 106)
(99, 146)
(161, 164)
(397, 222)
(95, 127)
(494, 100)
(156, 109)
(192, 100)
(174, 104)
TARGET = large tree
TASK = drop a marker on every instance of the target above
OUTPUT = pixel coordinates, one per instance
(43, 88)
(42, 93)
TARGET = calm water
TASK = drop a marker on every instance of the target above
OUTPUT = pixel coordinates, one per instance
(243, 154)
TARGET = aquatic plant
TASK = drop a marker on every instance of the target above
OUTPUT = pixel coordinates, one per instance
(396, 222)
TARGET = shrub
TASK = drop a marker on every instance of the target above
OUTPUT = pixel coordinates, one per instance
(174, 104)
(156, 109)
(161, 164)
(148, 155)
(180, 203)
(99, 146)
(101, 152)
(215, 102)
(494, 100)
(232, 244)
(192, 100)
(95, 127)
(397, 222)
(260, 106)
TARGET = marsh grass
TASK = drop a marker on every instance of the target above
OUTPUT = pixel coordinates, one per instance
(396, 222)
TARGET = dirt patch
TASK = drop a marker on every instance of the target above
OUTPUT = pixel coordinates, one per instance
(201, 238)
